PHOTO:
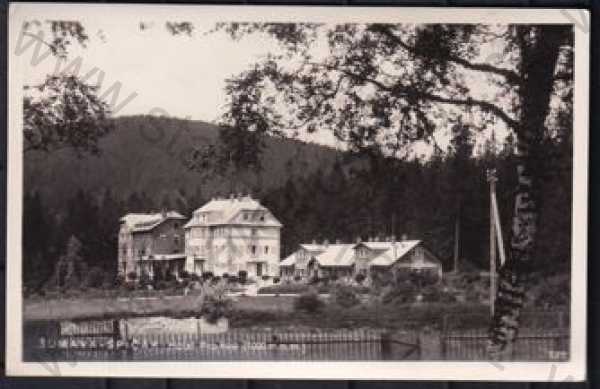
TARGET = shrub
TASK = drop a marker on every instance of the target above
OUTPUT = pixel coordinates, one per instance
(215, 280)
(334, 277)
(345, 296)
(194, 277)
(94, 278)
(266, 278)
(359, 278)
(184, 274)
(160, 285)
(283, 288)
(132, 276)
(225, 275)
(243, 276)
(215, 304)
(297, 278)
(275, 280)
(552, 292)
(382, 279)
(400, 293)
(119, 281)
(423, 278)
(308, 302)
(207, 276)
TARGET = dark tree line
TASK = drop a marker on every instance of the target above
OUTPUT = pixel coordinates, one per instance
(92, 219)
(423, 199)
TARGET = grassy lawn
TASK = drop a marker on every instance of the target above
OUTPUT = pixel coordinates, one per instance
(101, 308)
(262, 312)
(247, 312)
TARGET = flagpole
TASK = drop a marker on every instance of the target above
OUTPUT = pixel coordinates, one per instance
(491, 177)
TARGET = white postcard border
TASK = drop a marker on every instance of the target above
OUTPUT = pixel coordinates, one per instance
(573, 370)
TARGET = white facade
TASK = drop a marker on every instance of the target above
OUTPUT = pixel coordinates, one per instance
(231, 235)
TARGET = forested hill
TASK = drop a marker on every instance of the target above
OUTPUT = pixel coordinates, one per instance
(143, 157)
(314, 191)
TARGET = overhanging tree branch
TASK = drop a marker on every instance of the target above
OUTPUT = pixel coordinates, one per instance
(510, 76)
(399, 90)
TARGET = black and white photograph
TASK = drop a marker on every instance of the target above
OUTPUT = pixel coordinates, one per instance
(239, 191)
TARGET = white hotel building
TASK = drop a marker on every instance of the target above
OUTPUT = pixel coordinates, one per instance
(228, 235)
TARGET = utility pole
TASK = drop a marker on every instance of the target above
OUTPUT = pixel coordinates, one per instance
(492, 179)
(456, 241)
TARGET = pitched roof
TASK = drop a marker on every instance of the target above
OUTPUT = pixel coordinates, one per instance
(290, 260)
(337, 255)
(224, 211)
(313, 247)
(391, 254)
(344, 254)
(140, 222)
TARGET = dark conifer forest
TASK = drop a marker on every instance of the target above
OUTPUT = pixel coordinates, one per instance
(315, 191)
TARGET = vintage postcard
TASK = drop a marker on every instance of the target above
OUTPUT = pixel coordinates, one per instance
(297, 192)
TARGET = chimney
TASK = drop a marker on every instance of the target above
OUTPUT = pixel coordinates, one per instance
(314, 241)
(231, 196)
(358, 239)
(404, 237)
(326, 242)
(337, 241)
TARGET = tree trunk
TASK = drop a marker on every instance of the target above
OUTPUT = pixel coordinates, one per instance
(539, 60)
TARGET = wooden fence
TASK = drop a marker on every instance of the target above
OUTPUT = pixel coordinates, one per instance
(95, 343)
(538, 345)
(110, 340)
(544, 336)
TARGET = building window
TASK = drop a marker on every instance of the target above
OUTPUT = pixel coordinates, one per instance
(253, 249)
(266, 249)
(245, 216)
(254, 232)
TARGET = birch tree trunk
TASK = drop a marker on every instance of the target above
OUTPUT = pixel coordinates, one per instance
(539, 58)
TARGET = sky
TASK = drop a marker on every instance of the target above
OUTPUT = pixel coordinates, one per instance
(178, 76)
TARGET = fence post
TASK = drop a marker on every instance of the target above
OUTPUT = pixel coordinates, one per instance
(115, 333)
(386, 345)
(429, 343)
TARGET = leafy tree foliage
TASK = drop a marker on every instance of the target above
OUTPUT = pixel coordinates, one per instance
(386, 86)
(63, 111)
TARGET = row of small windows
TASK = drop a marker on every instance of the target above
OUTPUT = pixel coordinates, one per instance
(253, 216)
(246, 216)
(253, 249)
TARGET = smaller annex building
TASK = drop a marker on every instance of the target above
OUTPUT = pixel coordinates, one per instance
(346, 260)
(151, 244)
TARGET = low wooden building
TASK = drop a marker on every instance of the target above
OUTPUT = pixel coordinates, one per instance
(345, 261)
